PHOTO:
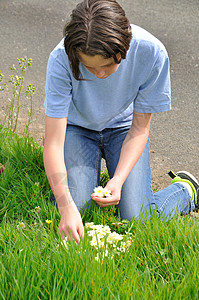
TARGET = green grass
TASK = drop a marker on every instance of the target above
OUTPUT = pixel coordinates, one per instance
(161, 263)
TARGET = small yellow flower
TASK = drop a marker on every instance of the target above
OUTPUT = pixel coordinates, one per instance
(48, 221)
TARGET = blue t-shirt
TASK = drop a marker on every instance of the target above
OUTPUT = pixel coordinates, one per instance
(141, 83)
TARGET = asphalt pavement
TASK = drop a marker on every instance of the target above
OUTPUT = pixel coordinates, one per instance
(33, 28)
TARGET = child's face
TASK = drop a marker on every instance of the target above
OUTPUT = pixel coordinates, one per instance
(98, 65)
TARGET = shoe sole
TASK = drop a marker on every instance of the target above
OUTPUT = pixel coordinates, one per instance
(186, 175)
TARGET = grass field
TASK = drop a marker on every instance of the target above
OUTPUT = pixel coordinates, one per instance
(161, 262)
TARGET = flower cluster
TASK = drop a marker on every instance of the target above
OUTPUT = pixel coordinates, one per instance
(102, 192)
(109, 242)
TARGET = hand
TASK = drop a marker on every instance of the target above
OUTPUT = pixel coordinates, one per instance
(115, 188)
(71, 225)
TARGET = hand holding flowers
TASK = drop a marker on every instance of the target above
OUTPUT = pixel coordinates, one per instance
(110, 195)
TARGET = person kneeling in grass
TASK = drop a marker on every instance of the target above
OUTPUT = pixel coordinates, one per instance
(104, 80)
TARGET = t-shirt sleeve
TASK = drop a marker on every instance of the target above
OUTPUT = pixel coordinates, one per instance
(58, 89)
(154, 94)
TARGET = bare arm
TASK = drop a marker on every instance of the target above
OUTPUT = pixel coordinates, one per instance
(71, 223)
(132, 148)
(133, 145)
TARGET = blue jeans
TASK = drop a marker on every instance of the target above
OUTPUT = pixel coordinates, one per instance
(84, 150)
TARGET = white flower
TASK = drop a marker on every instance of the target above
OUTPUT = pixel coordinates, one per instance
(107, 193)
(21, 225)
(102, 192)
(65, 243)
(106, 229)
(101, 237)
(96, 227)
(37, 208)
(114, 237)
(101, 244)
(99, 191)
(88, 225)
(129, 233)
(123, 247)
(128, 242)
(97, 257)
(92, 233)
(93, 242)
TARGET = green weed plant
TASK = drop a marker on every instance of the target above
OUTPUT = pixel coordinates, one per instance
(14, 88)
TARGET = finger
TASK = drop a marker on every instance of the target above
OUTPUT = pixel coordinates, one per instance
(93, 195)
(62, 232)
(107, 204)
(65, 234)
(81, 232)
(102, 199)
(75, 235)
(106, 201)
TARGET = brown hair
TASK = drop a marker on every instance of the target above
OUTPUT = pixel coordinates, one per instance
(97, 27)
